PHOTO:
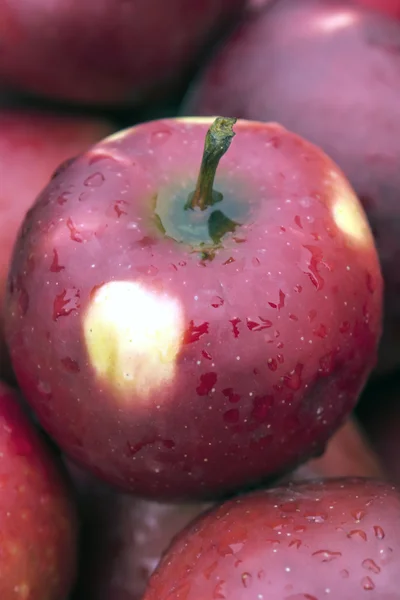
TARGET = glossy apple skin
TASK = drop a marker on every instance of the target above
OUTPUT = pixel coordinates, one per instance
(108, 52)
(37, 516)
(32, 145)
(291, 543)
(278, 333)
(122, 538)
(330, 71)
(391, 7)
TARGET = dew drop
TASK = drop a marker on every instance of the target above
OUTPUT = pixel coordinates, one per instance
(70, 365)
(219, 591)
(65, 303)
(95, 180)
(371, 565)
(344, 573)
(230, 394)
(207, 382)
(326, 556)
(194, 332)
(357, 534)
(247, 580)
(379, 533)
(367, 583)
(55, 266)
(217, 301)
(293, 379)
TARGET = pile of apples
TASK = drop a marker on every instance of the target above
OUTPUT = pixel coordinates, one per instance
(200, 300)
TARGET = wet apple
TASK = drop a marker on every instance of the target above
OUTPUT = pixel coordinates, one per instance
(330, 71)
(337, 539)
(37, 515)
(185, 323)
(32, 145)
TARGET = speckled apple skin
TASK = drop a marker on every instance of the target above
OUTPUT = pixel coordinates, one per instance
(329, 71)
(38, 521)
(336, 539)
(280, 327)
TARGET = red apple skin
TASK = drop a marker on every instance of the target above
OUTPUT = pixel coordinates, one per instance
(273, 338)
(122, 538)
(290, 543)
(329, 71)
(107, 52)
(37, 516)
(32, 145)
(391, 7)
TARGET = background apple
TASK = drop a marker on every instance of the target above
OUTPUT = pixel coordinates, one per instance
(206, 366)
(330, 71)
(392, 7)
(295, 542)
(123, 538)
(32, 145)
(37, 517)
(106, 52)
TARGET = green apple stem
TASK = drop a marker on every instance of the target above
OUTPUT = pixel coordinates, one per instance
(217, 142)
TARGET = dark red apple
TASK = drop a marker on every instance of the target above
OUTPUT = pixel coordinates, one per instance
(123, 539)
(32, 145)
(392, 7)
(330, 71)
(107, 51)
(37, 516)
(183, 341)
(338, 539)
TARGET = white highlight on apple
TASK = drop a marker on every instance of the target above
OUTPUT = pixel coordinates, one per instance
(350, 217)
(133, 336)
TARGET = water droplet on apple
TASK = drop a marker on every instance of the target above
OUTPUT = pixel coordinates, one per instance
(370, 565)
(94, 180)
(217, 301)
(70, 365)
(207, 382)
(65, 303)
(357, 534)
(326, 555)
(367, 584)
(230, 394)
(379, 533)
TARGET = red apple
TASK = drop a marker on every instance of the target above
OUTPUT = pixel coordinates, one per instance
(106, 52)
(123, 539)
(330, 71)
(392, 7)
(37, 517)
(32, 145)
(338, 539)
(184, 345)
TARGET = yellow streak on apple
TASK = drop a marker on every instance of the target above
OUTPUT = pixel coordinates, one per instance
(349, 215)
(133, 336)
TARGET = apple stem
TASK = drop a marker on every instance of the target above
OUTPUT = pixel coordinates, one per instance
(217, 142)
